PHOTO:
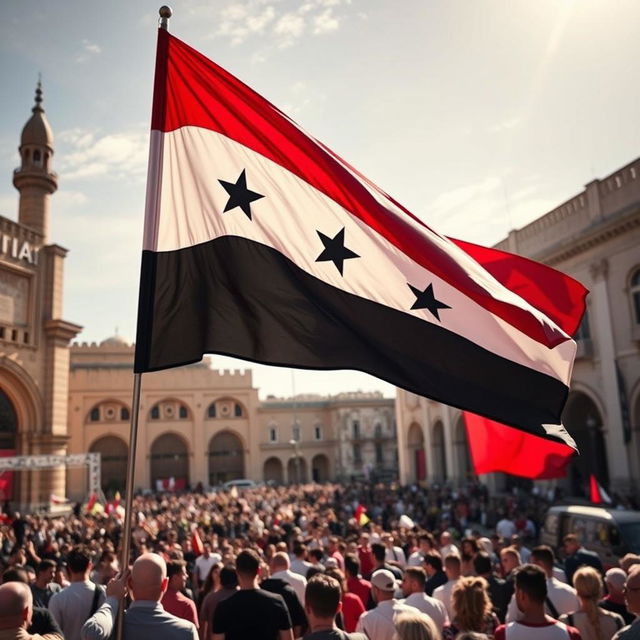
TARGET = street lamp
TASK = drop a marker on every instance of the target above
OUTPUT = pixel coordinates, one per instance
(296, 452)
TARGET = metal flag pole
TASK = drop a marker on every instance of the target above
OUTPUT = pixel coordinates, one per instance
(165, 13)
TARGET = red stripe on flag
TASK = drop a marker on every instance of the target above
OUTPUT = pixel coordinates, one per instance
(557, 295)
(197, 92)
(497, 447)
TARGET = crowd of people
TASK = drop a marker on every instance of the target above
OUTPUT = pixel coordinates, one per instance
(320, 562)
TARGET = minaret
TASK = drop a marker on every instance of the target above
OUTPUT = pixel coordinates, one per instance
(34, 179)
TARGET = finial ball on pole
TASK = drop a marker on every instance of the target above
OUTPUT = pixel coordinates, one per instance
(165, 11)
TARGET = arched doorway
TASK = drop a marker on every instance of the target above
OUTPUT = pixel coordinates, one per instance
(8, 442)
(415, 442)
(273, 471)
(439, 453)
(297, 470)
(169, 463)
(584, 422)
(113, 462)
(320, 468)
(226, 458)
(462, 455)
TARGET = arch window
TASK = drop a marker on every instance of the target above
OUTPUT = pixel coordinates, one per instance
(94, 416)
(155, 412)
(37, 157)
(211, 411)
(8, 423)
(635, 296)
(183, 413)
(273, 434)
(237, 410)
(317, 432)
(124, 413)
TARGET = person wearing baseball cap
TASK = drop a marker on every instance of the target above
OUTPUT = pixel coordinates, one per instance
(377, 624)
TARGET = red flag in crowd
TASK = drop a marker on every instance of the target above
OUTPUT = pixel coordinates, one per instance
(196, 543)
(497, 447)
(597, 493)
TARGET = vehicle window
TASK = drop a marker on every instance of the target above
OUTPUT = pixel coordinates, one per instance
(614, 536)
(579, 526)
(602, 533)
(630, 534)
(551, 524)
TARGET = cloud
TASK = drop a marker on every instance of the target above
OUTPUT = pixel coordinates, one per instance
(288, 29)
(239, 21)
(505, 125)
(325, 22)
(67, 198)
(89, 49)
(90, 153)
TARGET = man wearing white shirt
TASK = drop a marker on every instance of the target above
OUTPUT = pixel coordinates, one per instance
(427, 544)
(413, 591)
(377, 624)
(299, 565)
(561, 598)
(506, 528)
(280, 568)
(443, 593)
(446, 545)
(393, 553)
(204, 563)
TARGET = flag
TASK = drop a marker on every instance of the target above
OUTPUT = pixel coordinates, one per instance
(597, 493)
(93, 499)
(361, 515)
(196, 543)
(261, 243)
(497, 447)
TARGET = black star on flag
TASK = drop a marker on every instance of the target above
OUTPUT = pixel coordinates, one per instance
(239, 195)
(427, 300)
(335, 250)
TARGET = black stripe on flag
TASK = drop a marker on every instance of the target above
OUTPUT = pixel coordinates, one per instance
(233, 296)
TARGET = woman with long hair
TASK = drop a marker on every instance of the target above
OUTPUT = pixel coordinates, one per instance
(211, 584)
(593, 622)
(472, 608)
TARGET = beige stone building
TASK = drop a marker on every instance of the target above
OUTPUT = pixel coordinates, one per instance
(34, 339)
(202, 426)
(594, 237)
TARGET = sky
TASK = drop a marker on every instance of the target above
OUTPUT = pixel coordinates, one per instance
(478, 116)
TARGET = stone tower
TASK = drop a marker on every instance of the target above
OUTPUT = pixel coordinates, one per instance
(35, 179)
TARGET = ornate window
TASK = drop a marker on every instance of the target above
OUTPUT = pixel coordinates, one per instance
(94, 416)
(155, 412)
(211, 412)
(183, 412)
(237, 410)
(273, 434)
(124, 413)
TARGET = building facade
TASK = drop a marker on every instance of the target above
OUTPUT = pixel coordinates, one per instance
(595, 238)
(34, 339)
(199, 426)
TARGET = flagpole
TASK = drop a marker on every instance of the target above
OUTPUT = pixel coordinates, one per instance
(165, 13)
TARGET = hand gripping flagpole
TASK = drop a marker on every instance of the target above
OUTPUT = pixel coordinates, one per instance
(165, 13)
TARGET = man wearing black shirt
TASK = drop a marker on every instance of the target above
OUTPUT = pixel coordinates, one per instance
(379, 552)
(296, 612)
(251, 613)
(436, 577)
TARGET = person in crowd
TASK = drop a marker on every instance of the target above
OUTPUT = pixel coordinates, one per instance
(106, 568)
(469, 549)
(447, 546)
(534, 623)
(452, 567)
(16, 607)
(509, 562)
(577, 556)
(629, 560)
(632, 597)
(251, 612)
(335, 553)
(472, 609)
(300, 564)
(322, 604)
(42, 622)
(413, 590)
(80, 600)
(145, 617)
(517, 543)
(379, 552)
(614, 580)
(415, 626)
(211, 584)
(355, 583)
(365, 554)
(61, 576)
(393, 553)
(203, 564)
(506, 528)
(228, 586)
(472, 635)
(173, 600)
(281, 568)
(281, 587)
(561, 598)
(377, 624)
(426, 544)
(352, 606)
(593, 622)
(43, 587)
(496, 586)
(436, 576)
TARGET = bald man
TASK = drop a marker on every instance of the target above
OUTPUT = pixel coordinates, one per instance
(145, 618)
(280, 568)
(16, 608)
